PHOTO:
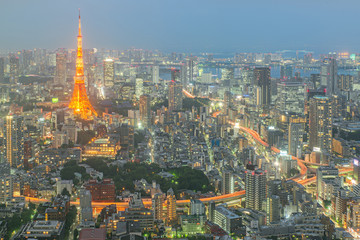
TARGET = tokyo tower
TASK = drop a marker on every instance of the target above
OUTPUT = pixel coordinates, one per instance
(80, 102)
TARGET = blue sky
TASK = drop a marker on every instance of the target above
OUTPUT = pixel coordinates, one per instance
(183, 25)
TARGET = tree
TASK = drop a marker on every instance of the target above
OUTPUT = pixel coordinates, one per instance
(70, 145)
(138, 138)
(69, 220)
(294, 171)
(84, 137)
(65, 192)
(76, 234)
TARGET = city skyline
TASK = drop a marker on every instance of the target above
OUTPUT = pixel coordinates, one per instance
(210, 26)
(100, 142)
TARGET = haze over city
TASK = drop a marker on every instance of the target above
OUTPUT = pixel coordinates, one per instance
(186, 26)
(192, 120)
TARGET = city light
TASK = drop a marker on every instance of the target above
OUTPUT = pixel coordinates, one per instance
(194, 137)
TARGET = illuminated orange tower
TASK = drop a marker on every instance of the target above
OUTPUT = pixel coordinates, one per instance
(80, 102)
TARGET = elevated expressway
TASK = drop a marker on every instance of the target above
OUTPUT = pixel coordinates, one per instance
(301, 178)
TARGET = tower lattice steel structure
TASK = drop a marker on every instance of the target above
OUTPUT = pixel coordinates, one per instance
(80, 102)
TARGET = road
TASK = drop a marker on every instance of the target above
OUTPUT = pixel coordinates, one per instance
(301, 178)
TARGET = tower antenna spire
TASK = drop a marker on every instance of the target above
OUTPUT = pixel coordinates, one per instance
(79, 23)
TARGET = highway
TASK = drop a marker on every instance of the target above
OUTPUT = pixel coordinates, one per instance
(301, 178)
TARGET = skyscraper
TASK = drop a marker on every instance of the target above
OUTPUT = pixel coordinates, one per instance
(291, 97)
(273, 209)
(80, 102)
(2, 69)
(329, 76)
(227, 182)
(171, 216)
(139, 87)
(320, 123)
(324, 172)
(145, 110)
(155, 74)
(345, 82)
(227, 77)
(295, 138)
(85, 205)
(255, 188)
(286, 72)
(227, 102)
(60, 74)
(315, 79)
(109, 73)
(14, 140)
(14, 69)
(262, 80)
(6, 188)
(356, 170)
(158, 206)
(175, 92)
(190, 72)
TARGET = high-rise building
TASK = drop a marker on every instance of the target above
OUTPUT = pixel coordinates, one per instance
(320, 123)
(255, 188)
(291, 97)
(109, 74)
(80, 102)
(139, 87)
(171, 216)
(60, 138)
(175, 75)
(190, 72)
(27, 57)
(286, 72)
(338, 103)
(14, 140)
(138, 214)
(226, 219)
(227, 182)
(2, 69)
(101, 191)
(14, 69)
(175, 93)
(227, 102)
(211, 211)
(206, 78)
(263, 81)
(60, 73)
(295, 138)
(155, 74)
(145, 110)
(324, 172)
(315, 79)
(273, 209)
(356, 171)
(197, 207)
(345, 82)
(308, 58)
(227, 77)
(158, 206)
(6, 188)
(329, 76)
(85, 205)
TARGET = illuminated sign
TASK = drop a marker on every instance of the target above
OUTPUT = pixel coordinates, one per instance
(55, 100)
(356, 162)
(283, 153)
(316, 149)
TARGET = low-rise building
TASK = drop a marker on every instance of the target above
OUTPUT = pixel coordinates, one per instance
(41, 230)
